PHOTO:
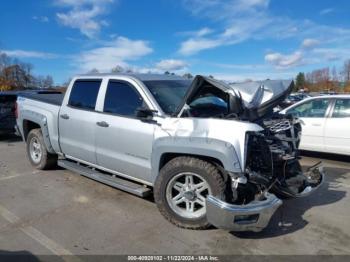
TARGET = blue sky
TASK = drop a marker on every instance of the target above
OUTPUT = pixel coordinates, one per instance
(230, 39)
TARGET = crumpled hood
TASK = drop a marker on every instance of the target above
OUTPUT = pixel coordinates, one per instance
(257, 98)
(260, 93)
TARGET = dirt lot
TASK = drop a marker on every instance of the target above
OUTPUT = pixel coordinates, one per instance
(59, 212)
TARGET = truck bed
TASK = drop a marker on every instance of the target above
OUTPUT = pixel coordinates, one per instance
(51, 98)
(46, 107)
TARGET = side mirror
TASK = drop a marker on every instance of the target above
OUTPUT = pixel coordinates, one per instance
(145, 113)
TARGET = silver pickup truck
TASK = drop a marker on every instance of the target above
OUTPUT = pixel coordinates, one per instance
(211, 153)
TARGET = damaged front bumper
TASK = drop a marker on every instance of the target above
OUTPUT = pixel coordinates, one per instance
(256, 215)
(314, 178)
(252, 217)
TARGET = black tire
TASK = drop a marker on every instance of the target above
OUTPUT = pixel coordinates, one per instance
(179, 165)
(46, 160)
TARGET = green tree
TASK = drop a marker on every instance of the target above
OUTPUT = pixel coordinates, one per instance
(300, 82)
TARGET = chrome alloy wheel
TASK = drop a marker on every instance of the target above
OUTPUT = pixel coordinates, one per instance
(186, 194)
(35, 150)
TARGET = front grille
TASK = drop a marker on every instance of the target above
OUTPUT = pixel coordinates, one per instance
(280, 126)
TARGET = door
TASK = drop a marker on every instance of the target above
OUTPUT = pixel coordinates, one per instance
(312, 115)
(337, 131)
(123, 142)
(77, 121)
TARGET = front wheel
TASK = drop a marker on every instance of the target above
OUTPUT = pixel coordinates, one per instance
(181, 189)
(37, 153)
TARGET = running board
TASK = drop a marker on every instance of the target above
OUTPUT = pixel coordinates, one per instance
(110, 180)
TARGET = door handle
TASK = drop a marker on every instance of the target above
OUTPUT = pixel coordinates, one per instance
(315, 124)
(102, 124)
(65, 116)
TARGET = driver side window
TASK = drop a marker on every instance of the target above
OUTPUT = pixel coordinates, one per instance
(122, 99)
(313, 108)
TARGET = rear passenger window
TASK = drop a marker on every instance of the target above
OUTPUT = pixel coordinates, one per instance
(342, 108)
(122, 99)
(313, 108)
(84, 94)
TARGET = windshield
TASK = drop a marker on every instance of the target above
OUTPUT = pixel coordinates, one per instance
(168, 93)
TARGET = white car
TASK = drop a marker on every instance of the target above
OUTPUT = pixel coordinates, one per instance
(325, 123)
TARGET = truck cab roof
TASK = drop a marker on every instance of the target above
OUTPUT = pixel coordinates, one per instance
(141, 77)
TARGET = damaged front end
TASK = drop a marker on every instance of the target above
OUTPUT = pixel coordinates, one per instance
(272, 173)
(273, 158)
(271, 170)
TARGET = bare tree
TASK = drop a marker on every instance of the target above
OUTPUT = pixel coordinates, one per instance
(15, 74)
(346, 71)
(67, 82)
(93, 71)
(117, 69)
(188, 76)
(335, 77)
(5, 61)
(48, 82)
(39, 81)
(28, 77)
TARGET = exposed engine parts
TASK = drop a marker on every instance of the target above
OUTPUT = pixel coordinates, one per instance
(272, 162)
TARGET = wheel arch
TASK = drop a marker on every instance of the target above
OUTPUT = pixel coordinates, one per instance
(168, 156)
(32, 120)
(214, 151)
(28, 126)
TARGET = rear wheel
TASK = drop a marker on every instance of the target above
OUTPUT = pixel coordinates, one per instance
(37, 153)
(181, 190)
